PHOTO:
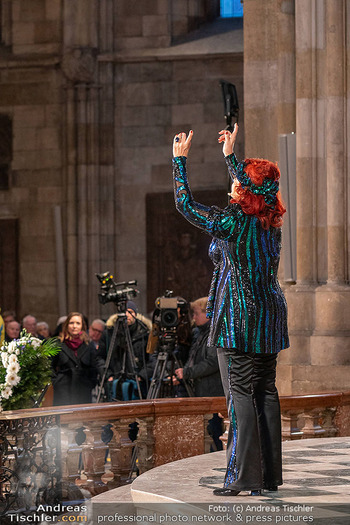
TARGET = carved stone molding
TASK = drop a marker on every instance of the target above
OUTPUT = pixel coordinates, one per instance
(79, 65)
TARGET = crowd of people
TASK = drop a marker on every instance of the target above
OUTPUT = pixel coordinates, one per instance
(85, 361)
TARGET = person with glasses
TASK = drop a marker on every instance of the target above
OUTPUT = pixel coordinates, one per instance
(96, 330)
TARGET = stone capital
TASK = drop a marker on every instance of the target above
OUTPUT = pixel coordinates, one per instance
(79, 64)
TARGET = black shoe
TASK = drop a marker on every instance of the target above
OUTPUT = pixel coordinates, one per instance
(271, 488)
(225, 492)
(255, 492)
(231, 492)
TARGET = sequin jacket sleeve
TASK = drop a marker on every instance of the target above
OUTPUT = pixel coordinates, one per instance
(218, 223)
(246, 305)
(232, 164)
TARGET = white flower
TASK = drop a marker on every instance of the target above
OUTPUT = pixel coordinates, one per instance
(7, 392)
(13, 359)
(36, 342)
(12, 379)
(4, 358)
(17, 351)
(13, 368)
(11, 347)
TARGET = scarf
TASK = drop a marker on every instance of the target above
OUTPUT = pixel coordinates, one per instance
(74, 343)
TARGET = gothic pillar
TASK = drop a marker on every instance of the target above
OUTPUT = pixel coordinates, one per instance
(82, 205)
(330, 341)
(71, 188)
(89, 136)
(301, 319)
(260, 66)
(335, 138)
(83, 185)
(305, 13)
(286, 67)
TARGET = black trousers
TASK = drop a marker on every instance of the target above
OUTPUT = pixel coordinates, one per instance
(254, 451)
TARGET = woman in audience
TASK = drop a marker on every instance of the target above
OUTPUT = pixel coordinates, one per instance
(74, 367)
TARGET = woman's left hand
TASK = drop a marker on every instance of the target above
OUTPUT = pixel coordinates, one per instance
(182, 144)
(228, 140)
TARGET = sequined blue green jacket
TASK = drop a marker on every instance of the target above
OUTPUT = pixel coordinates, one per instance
(246, 305)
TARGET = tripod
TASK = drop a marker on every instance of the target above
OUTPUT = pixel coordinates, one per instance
(165, 356)
(120, 327)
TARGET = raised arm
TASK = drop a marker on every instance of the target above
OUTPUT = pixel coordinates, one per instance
(218, 223)
(228, 140)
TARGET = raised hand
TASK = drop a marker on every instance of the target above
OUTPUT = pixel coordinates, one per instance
(228, 140)
(182, 144)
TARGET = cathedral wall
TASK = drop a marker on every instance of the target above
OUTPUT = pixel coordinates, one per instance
(295, 50)
(154, 101)
(94, 99)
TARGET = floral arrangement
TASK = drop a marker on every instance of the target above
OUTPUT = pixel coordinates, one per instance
(25, 369)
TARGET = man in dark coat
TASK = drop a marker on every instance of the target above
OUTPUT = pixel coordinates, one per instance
(202, 367)
(201, 370)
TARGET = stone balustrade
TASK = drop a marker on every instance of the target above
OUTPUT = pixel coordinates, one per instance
(65, 450)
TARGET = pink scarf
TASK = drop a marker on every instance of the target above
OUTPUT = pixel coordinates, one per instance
(74, 343)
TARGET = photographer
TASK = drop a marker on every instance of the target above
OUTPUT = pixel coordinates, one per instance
(202, 367)
(120, 367)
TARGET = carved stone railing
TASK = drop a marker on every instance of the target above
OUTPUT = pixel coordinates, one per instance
(30, 455)
(50, 454)
(316, 415)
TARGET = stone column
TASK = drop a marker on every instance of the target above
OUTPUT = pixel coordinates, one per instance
(83, 190)
(301, 319)
(71, 188)
(335, 138)
(305, 13)
(82, 208)
(88, 26)
(330, 342)
(286, 67)
(260, 68)
(107, 181)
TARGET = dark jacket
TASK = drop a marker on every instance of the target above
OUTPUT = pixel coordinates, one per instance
(74, 376)
(202, 367)
(246, 305)
(139, 337)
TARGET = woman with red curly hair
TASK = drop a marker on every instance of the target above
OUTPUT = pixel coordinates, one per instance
(247, 309)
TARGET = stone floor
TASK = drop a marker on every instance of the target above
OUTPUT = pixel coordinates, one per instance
(316, 489)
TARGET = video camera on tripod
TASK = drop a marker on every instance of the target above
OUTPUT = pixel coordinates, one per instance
(119, 293)
(167, 316)
(110, 292)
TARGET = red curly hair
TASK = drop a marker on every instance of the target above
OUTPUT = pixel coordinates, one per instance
(251, 204)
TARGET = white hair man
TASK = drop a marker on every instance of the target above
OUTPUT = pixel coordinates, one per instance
(29, 323)
(96, 330)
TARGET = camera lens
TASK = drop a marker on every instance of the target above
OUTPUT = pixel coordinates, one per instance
(169, 318)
